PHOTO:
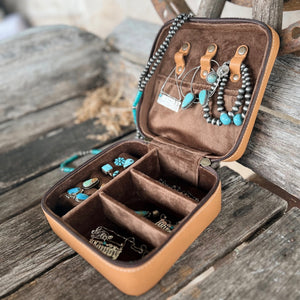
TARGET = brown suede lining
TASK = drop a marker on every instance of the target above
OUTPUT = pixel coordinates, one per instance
(179, 141)
(188, 127)
(136, 188)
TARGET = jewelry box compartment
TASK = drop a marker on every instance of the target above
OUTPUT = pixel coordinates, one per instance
(154, 194)
(60, 202)
(113, 229)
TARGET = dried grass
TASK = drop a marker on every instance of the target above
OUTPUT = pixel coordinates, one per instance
(108, 107)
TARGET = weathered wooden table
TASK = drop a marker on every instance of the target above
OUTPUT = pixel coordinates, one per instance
(251, 251)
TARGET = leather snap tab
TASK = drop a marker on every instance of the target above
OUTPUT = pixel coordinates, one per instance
(179, 57)
(205, 60)
(236, 61)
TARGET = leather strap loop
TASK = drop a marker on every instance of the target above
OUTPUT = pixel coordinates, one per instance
(236, 61)
(178, 57)
(206, 59)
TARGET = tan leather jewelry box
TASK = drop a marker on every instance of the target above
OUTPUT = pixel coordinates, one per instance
(171, 172)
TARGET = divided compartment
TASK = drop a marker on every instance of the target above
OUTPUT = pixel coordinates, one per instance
(101, 210)
(139, 190)
(60, 204)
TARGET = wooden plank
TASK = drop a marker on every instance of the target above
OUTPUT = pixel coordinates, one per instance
(47, 152)
(246, 207)
(283, 90)
(273, 151)
(28, 248)
(45, 65)
(15, 133)
(211, 8)
(269, 12)
(32, 191)
(169, 9)
(267, 268)
(134, 47)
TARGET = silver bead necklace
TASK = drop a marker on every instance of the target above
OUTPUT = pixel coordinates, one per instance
(244, 95)
(155, 60)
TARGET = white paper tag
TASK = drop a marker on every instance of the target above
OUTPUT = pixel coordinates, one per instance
(169, 102)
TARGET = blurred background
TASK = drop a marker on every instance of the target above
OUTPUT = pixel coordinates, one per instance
(97, 16)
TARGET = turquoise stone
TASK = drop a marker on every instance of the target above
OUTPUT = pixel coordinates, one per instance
(137, 98)
(106, 168)
(134, 115)
(115, 173)
(73, 191)
(187, 101)
(211, 77)
(128, 162)
(119, 161)
(237, 120)
(203, 97)
(81, 197)
(90, 183)
(224, 118)
(142, 212)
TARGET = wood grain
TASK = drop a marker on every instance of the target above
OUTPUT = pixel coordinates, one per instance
(246, 207)
(32, 191)
(15, 133)
(211, 8)
(273, 151)
(134, 47)
(267, 268)
(47, 152)
(28, 248)
(45, 65)
(283, 90)
(269, 12)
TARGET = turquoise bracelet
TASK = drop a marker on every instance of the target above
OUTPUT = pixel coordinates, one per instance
(63, 166)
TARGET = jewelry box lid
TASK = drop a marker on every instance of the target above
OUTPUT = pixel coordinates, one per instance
(214, 116)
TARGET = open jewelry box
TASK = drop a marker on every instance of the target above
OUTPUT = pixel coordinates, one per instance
(177, 152)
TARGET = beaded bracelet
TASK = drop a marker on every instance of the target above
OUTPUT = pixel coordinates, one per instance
(63, 166)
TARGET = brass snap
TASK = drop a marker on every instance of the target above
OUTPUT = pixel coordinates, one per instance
(211, 48)
(204, 73)
(185, 46)
(242, 50)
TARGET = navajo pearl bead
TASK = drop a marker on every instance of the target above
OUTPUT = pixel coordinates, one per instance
(220, 108)
(206, 115)
(213, 121)
(234, 108)
(231, 114)
(240, 97)
(245, 108)
(208, 120)
(241, 91)
(247, 102)
(219, 123)
(243, 116)
(220, 102)
(248, 89)
(238, 103)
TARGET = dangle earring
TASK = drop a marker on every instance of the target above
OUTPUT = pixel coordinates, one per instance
(190, 97)
(164, 98)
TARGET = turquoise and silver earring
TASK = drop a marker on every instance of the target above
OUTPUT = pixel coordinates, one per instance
(190, 97)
